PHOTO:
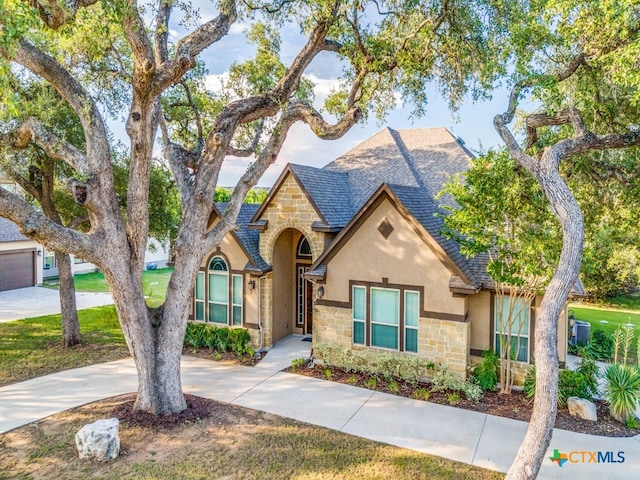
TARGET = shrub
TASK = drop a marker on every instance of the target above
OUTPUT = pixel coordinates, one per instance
(453, 398)
(622, 392)
(420, 394)
(529, 386)
(444, 379)
(582, 383)
(486, 372)
(371, 362)
(297, 363)
(220, 339)
(393, 386)
(601, 346)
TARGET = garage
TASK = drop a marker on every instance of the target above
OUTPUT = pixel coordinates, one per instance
(17, 269)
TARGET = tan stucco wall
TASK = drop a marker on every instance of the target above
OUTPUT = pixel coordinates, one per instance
(284, 286)
(480, 320)
(237, 260)
(403, 258)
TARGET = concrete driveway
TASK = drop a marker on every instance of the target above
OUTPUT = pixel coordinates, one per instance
(37, 301)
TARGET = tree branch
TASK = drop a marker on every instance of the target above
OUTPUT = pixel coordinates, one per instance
(35, 225)
(45, 66)
(56, 16)
(190, 46)
(31, 130)
(140, 45)
(162, 32)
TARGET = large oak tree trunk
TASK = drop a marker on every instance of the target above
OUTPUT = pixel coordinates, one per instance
(533, 448)
(70, 322)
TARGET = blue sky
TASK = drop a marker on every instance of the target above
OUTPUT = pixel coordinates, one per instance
(473, 123)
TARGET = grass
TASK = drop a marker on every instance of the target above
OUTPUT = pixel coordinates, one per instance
(154, 284)
(233, 443)
(33, 347)
(613, 318)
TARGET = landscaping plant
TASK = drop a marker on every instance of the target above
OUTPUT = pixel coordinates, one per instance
(486, 372)
(622, 392)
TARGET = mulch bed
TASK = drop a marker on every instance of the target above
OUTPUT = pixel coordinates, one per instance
(247, 360)
(516, 406)
(198, 408)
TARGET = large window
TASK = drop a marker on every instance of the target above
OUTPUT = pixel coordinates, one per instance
(218, 291)
(512, 324)
(218, 296)
(385, 317)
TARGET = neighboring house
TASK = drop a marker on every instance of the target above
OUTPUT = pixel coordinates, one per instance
(156, 254)
(20, 258)
(26, 263)
(352, 255)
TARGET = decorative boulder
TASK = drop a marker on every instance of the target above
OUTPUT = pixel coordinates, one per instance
(99, 440)
(583, 408)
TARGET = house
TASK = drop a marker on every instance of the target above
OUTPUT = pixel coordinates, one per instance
(26, 263)
(352, 255)
(20, 258)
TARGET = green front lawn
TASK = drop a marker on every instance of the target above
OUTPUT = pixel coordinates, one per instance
(154, 284)
(33, 347)
(607, 319)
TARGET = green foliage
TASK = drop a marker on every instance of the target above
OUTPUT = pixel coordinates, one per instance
(296, 364)
(485, 373)
(582, 382)
(328, 374)
(623, 390)
(256, 195)
(453, 398)
(502, 210)
(420, 394)
(393, 387)
(444, 379)
(371, 383)
(219, 339)
(374, 363)
(529, 386)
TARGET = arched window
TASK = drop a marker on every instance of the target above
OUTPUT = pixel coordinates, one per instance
(304, 249)
(218, 291)
(224, 294)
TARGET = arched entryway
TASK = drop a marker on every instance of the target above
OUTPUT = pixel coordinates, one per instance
(292, 294)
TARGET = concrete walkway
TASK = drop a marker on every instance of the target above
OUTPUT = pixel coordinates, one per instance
(453, 433)
(37, 301)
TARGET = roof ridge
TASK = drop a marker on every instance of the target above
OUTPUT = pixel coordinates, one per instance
(406, 155)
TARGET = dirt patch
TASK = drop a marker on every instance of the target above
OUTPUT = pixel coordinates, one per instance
(212, 440)
(516, 406)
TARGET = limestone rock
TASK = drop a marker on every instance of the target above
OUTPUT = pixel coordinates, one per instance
(583, 408)
(99, 440)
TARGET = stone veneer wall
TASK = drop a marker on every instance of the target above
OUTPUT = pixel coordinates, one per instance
(290, 208)
(439, 341)
(445, 342)
(266, 307)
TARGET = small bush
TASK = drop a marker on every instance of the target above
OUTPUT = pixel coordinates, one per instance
(601, 346)
(623, 390)
(393, 386)
(444, 379)
(529, 386)
(582, 383)
(371, 383)
(328, 374)
(486, 372)
(296, 364)
(410, 369)
(219, 339)
(453, 398)
(420, 394)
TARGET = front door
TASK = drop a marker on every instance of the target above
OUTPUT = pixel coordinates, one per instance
(304, 300)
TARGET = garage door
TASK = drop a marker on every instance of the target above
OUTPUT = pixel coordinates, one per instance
(17, 269)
